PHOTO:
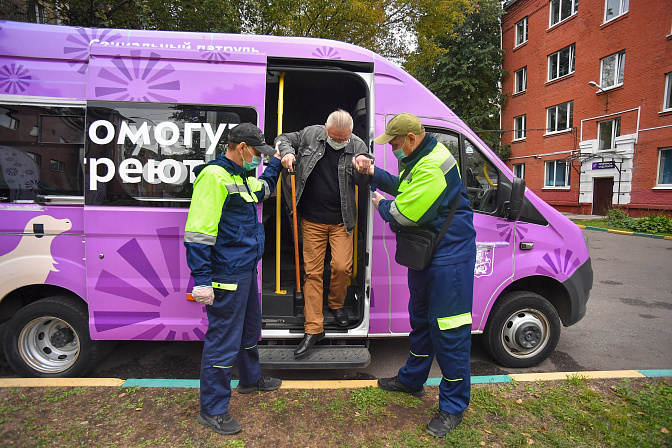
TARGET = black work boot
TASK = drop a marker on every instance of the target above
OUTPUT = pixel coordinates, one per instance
(221, 424)
(443, 423)
(265, 384)
(394, 384)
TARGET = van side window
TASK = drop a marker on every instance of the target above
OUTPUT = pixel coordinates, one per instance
(40, 151)
(450, 140)
(481, 179)
(144, 154)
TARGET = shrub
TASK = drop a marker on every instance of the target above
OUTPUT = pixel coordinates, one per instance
(619, 218)
(653, 224)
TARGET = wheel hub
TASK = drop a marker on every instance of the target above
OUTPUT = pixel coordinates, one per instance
(525, 333)
(62, 337)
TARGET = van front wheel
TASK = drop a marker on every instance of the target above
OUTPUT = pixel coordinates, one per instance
(50, 338)
(523, 329)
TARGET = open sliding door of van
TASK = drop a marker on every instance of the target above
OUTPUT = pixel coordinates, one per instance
(153, 114)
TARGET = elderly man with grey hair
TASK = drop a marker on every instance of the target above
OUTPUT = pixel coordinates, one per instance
(324, 157)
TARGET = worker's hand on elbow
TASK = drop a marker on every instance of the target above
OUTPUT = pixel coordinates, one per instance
(376, 199)
(288, 161)
(203, 294)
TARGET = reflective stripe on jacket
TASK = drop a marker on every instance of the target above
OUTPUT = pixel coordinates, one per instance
(222, 234)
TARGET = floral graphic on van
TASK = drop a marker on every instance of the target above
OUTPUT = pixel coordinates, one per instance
(506, 231)
(215, 57)
(79, 48)
(138, 79)
(560, 261)
(137, 258)
(14, 79)
(326, 53)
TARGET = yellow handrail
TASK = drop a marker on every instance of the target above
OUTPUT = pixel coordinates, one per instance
(354, 249)
(278, 197)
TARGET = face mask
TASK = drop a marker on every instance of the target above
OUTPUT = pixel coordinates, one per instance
(256, 161)
(399, 152)
(337, 146)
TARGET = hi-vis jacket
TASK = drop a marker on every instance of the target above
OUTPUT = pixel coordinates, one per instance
(222, 234)
(424, 193)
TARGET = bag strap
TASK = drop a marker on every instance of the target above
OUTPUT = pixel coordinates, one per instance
(446, 224)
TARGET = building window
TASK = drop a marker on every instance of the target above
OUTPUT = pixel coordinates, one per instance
(667, 105)
(563, 9)
(7, 121)
(57, 165)
(665, 167)
(36, 157)
(559, 118)
(615, 8)
(612, 69)
(557, 174)
(561, 63)
(521, 32)
(607, 132)
(521, 80)
(519, 127)
(519, 170)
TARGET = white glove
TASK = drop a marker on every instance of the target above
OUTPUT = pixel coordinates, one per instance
(203, 294)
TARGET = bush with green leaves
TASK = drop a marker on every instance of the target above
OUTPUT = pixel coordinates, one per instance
(619, 218)
(653, 224)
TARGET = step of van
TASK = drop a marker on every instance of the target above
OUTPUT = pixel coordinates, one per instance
(319, 357)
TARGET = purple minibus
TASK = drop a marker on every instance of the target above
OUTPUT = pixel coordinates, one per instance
(100, 130)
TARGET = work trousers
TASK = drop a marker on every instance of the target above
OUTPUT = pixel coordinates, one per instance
(315, 239)
(441, 296)
(234, 327)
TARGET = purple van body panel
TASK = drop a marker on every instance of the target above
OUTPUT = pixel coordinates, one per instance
(129, 263)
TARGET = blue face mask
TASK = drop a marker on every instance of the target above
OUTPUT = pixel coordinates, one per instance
(399, 152)
(256, 161)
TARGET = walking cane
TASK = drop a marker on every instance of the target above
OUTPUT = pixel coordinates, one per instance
(298, 295)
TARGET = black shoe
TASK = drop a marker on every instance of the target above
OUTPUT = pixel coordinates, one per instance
(443, 423)
(394, 384)
(221, 424)
(307, 343)
(265, 384)
(341, 316)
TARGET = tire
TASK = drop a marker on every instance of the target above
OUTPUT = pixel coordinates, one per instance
(523, 329)
(50, 339)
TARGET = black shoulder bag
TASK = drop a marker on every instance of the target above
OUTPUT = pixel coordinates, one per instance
(415, 247)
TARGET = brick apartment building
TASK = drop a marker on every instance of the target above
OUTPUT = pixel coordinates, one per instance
(590, 102)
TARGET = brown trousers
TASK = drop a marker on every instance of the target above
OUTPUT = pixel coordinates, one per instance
(315, 238)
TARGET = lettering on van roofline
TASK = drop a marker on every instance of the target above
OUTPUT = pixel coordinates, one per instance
(182, 46)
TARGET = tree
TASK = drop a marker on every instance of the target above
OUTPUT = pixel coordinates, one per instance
(466, 74)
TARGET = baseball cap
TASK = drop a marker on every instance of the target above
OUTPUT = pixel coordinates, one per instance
(252, 135)
(400, 124)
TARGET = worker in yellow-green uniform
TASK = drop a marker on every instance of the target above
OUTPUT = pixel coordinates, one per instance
(441, 295)
(225, 241)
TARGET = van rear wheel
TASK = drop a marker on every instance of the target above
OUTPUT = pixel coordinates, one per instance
(523, 329)
(50, 338)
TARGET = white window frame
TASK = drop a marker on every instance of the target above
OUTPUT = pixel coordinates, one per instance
(659, 171)
(519, 170)
(623, 7)
(519, 127)
(667, 103)
(615, 132)
(555, 169)
(521, 32)
(553, 128)
(574, 7)
(618, 71)
(556, 56)
(518, 74)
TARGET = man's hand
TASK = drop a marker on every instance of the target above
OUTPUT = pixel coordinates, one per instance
(288, 161)
(376, 199)
(363, 164)
(203, 294)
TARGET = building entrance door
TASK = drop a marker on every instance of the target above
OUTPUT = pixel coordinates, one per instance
(603, 190)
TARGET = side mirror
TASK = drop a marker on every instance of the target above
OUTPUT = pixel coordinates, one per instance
(517, 198)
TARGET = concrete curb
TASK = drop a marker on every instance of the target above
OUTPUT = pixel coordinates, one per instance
(340, 384)
(625, 232)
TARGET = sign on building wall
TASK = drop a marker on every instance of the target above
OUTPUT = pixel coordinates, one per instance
(603, 165)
